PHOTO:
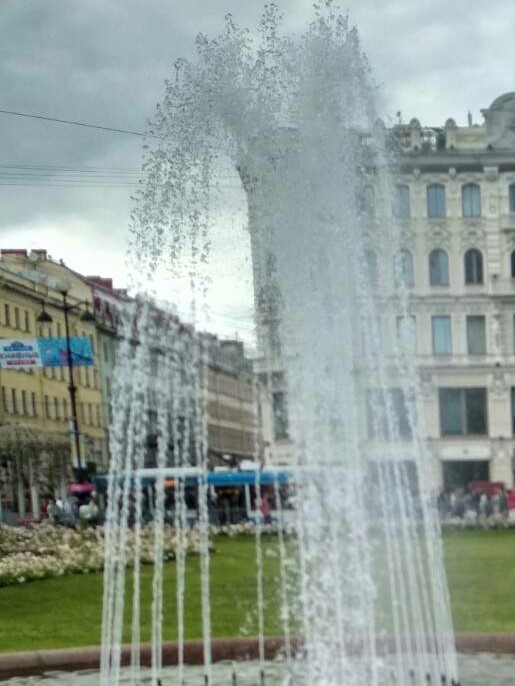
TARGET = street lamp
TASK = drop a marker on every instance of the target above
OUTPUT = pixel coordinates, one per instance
(45, 318)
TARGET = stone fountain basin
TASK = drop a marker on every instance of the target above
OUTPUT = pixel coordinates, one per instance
(484, 659)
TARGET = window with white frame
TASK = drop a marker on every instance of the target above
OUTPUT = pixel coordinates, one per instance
(476, 334)
(401, 202)
(407, 334)
(436, 206)
(438, 268)
(463, 411)
(403, 269)
(388, 414)
(511, 192)
(441, 334)
(473, 260)
(471, 200)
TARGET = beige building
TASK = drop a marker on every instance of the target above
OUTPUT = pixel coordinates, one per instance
(37, 450)
(232, 418)
(454, 201)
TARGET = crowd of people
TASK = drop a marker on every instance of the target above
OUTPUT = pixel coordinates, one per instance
(70, 512)
(469, 503)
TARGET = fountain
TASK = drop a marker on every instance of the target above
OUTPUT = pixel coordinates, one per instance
(295, 116)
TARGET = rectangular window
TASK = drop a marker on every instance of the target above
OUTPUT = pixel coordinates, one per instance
(401, 202)
(27, 321)
(512, 197)
(14, 404)
(34, 404)
(388, 415)
(463, 411)
(16, 317)
(471, 200)
(476, 335)
(57, 413)
(407, 334)
(442, 335)
(4, 399)
(65, 408)
(280, 415)
(86, 375)
(24, 408)
(47, 407)
(436, 201)
(59, 333)
(7, 315)
(90, 414)
(99, 419)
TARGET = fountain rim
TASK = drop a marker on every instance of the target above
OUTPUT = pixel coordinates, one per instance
(37, 662)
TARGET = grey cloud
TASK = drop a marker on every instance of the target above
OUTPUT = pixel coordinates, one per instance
(104, 61)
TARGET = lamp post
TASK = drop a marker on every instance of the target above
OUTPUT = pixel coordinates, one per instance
(45, 318)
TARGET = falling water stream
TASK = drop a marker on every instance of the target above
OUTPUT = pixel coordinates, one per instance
(295, 116)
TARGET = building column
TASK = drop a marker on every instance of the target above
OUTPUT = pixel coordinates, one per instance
(501, 465)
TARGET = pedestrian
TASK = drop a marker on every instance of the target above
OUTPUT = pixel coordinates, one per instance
(59, 511)
(264, 509)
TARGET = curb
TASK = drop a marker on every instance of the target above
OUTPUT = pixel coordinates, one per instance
(237, 649)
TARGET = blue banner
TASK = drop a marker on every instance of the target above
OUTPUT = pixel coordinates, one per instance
(54, 352)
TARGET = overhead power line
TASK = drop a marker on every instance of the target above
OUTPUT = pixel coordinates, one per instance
(71, 122)
(60, 176)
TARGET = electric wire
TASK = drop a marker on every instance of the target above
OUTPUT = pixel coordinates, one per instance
(71, 122)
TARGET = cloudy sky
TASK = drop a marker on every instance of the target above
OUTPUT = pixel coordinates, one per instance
(68, 188)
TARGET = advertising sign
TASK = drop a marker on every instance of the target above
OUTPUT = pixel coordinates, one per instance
(54, 352)
(28, 353)
(19, 354)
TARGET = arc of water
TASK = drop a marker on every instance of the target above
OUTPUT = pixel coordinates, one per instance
(201, 449)
(283, 564)
(260, 596)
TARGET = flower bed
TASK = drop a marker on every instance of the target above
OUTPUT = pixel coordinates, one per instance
(43, 550)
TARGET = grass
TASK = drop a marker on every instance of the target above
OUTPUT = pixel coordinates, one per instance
(481, 573)
(66, 612)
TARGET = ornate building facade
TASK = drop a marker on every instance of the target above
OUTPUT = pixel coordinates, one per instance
(455, 200)
(452, 195)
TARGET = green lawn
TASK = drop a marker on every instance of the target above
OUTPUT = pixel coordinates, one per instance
(481, 573)
(66, 611)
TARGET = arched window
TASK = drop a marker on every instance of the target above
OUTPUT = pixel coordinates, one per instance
(438, 268)
(512, 260)
(403, 268)
(436, 201)
(371, 268)
(512, 197)
(473, 266)
(471, 200)
(401, 202)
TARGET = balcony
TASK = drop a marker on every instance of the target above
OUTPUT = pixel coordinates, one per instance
(508, 222)
(503, 286)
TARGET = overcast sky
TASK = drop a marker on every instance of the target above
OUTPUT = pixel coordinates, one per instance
(104, 62)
